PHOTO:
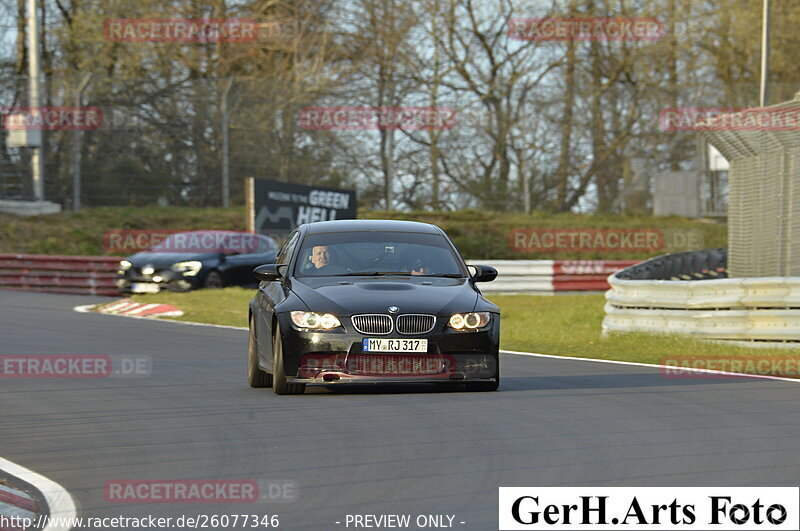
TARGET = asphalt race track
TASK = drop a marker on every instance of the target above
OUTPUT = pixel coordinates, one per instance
(411, 451)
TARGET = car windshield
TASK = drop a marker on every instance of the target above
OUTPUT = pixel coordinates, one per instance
(377, 254)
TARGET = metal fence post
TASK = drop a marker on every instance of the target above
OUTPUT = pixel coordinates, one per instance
(34, 100)
(76, 147)
(226, 181)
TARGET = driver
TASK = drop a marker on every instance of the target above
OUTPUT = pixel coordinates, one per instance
(324, 260)
(321, 256)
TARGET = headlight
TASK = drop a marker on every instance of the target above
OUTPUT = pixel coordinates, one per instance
(124, 265)
(469, 321)
(189, 269)
(315, 320)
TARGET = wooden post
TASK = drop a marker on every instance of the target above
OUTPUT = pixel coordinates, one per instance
(249, 200)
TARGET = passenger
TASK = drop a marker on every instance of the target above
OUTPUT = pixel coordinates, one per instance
(420, 266)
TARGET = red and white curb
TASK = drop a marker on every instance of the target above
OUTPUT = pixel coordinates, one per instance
(15, 505)
(139, 309)
(19, 504)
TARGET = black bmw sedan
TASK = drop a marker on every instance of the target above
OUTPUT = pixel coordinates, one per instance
(196, 259)
(370, 301)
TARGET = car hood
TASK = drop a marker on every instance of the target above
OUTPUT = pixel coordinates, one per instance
(345, 296)
(162, 260)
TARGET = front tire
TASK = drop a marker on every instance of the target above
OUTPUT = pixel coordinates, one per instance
(280, 385)
(255, 376)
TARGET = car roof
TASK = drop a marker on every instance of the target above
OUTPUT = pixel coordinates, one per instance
(357, 225)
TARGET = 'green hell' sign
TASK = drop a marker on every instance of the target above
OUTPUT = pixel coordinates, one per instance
(280, 207)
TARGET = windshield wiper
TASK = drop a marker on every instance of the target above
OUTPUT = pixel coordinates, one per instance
(374, 273)
(397, 273)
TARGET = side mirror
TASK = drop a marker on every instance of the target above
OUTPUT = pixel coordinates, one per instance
(268, 272)
(483, 273)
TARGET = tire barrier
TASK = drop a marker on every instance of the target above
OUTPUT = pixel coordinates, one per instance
(689, 293)
(83, 275)
(689, 265)
(548, 276)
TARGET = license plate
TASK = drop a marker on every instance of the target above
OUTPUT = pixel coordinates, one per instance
(394, 345)
(145, 288)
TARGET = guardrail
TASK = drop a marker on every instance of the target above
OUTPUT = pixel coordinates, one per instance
(95, 275)
(547, 276)
(687, 293)
(85, 275)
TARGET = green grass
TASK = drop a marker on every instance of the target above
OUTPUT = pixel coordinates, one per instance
(81, 233)
(214, 306)
(477, 234)
(568, 325)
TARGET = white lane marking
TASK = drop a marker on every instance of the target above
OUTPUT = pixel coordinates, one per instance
(651, 365)
(61, 505)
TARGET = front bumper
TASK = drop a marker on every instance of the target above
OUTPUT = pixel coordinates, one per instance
(134, 281)
(337, 358)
